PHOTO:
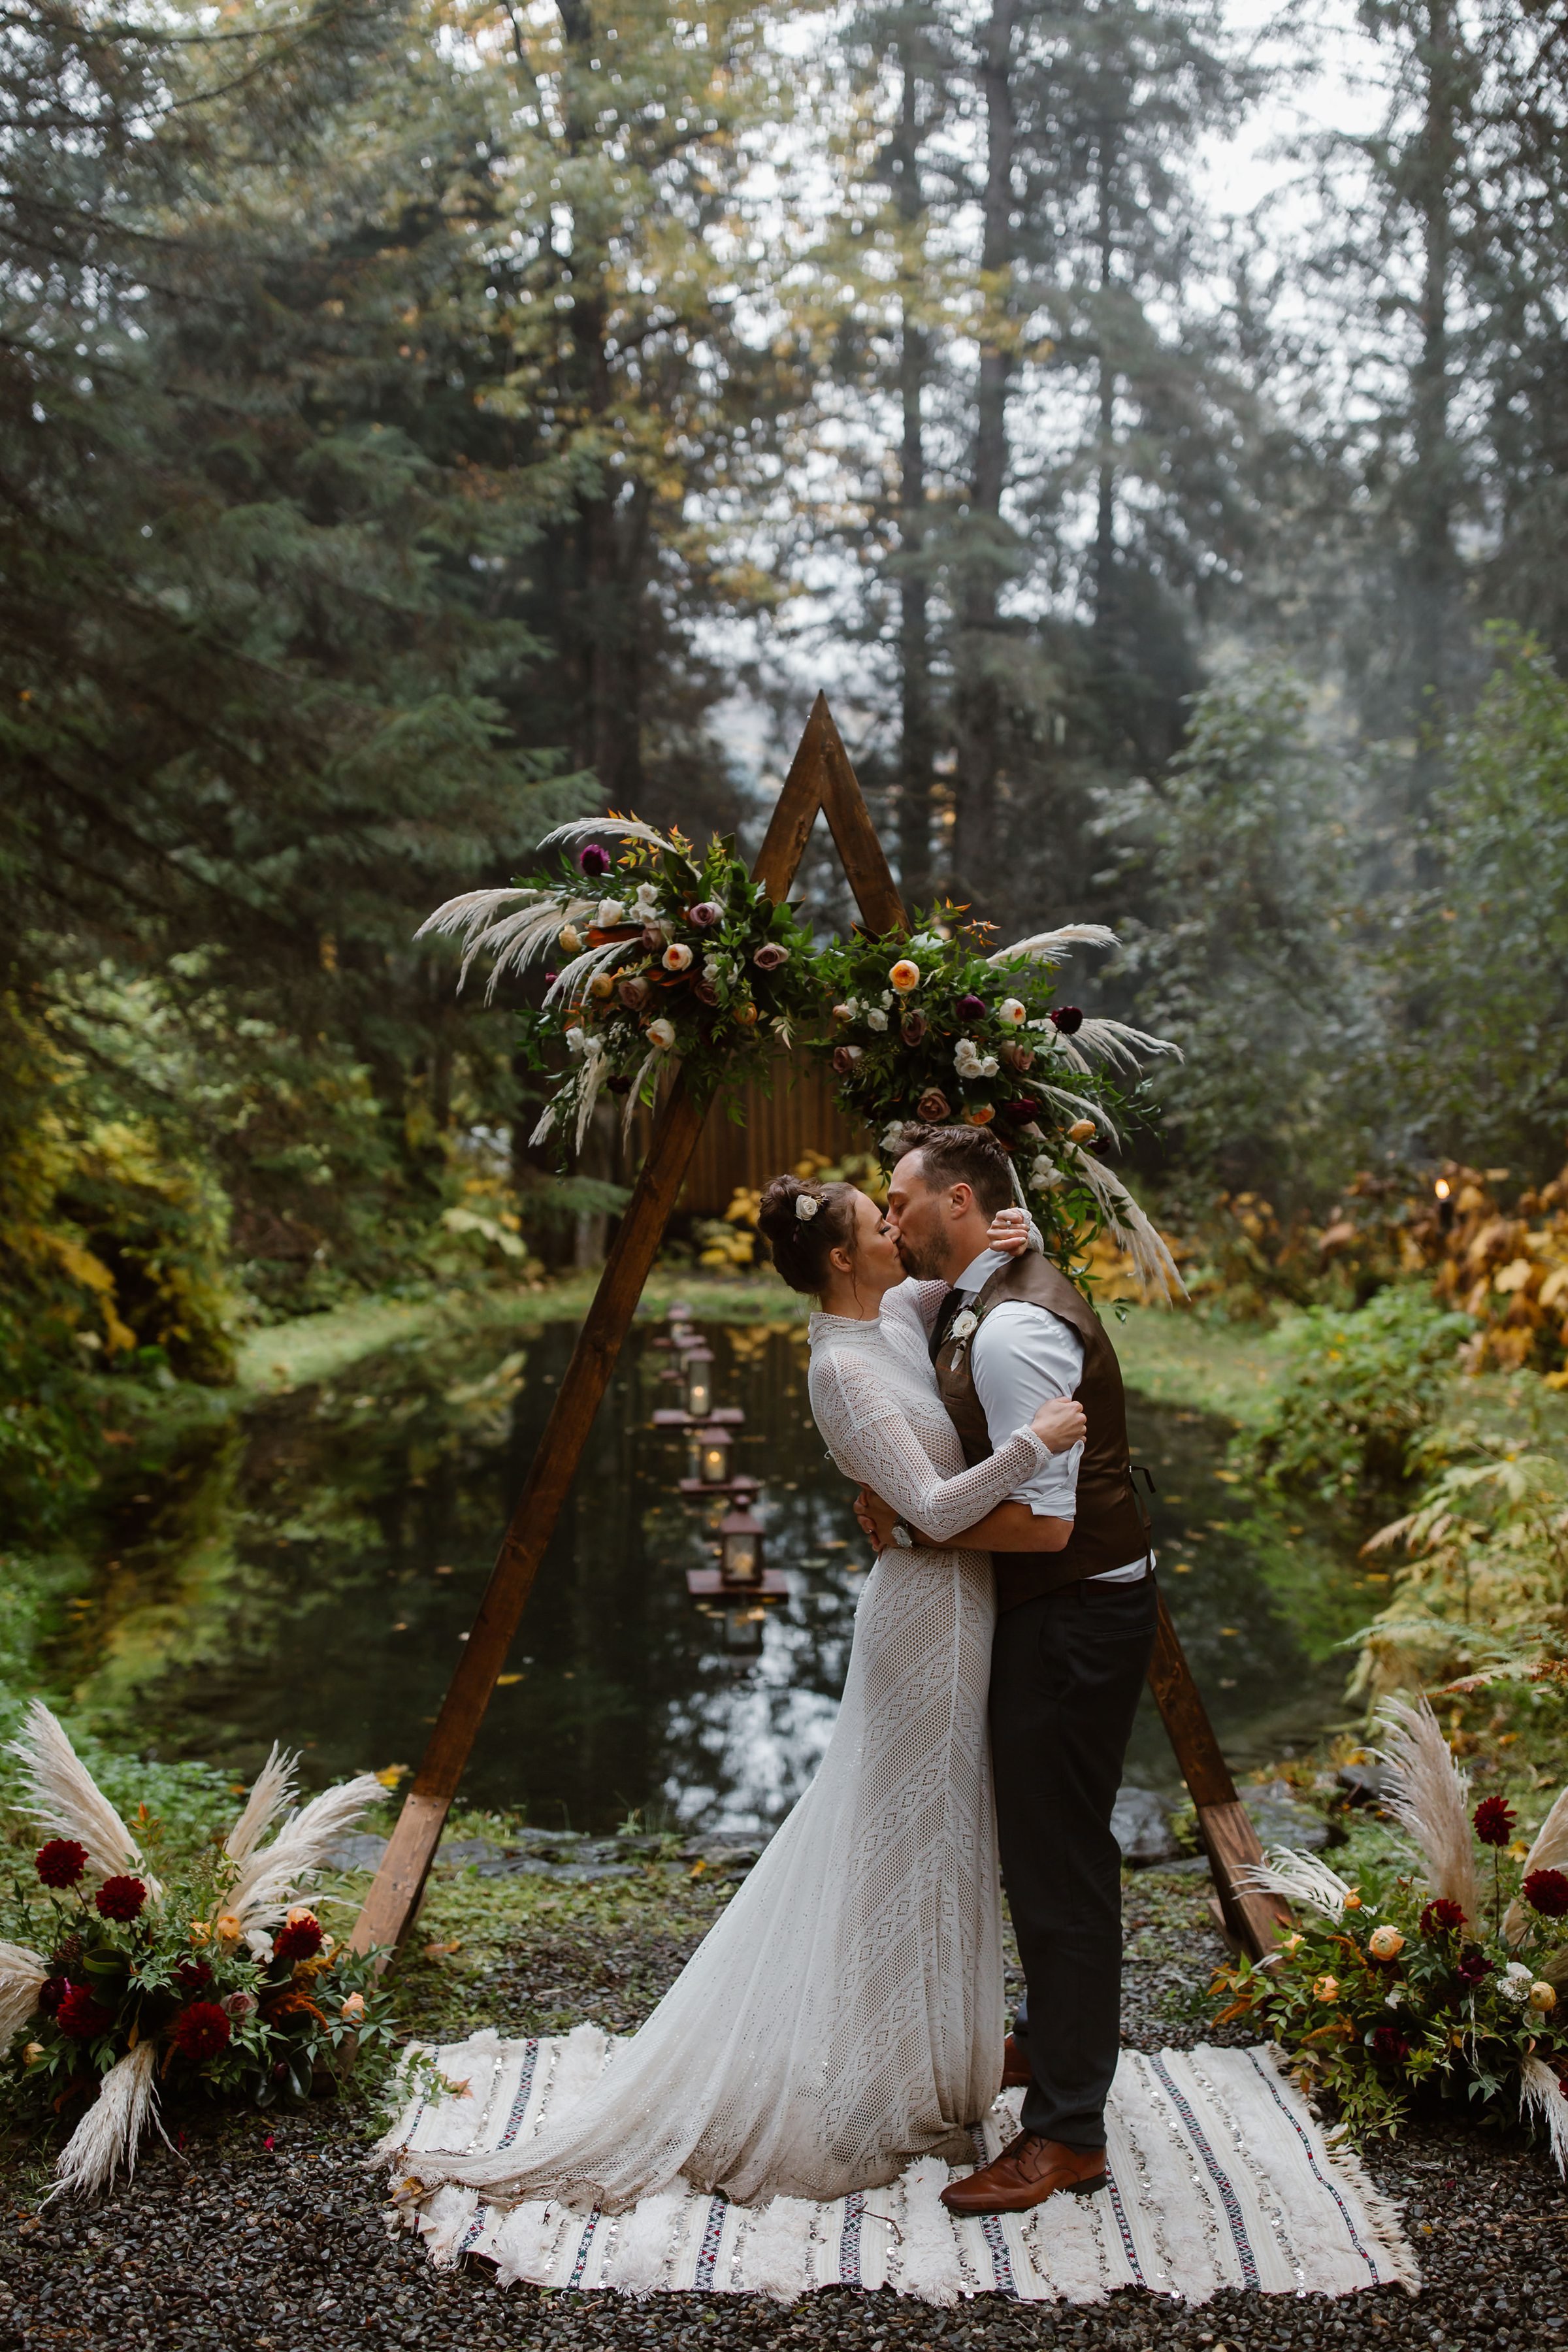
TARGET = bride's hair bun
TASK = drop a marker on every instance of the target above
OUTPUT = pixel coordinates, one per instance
(801, 1222)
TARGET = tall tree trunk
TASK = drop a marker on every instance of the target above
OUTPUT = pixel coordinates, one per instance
(916, 724)
(1105, 492)
(605, 617)
(1434, 583)
(980, 698)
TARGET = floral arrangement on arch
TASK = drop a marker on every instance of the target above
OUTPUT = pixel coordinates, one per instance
(221, 1980)
(1451, 1976)
(942, 1028)
(661, 955)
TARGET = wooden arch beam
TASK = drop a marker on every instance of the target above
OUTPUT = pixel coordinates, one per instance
(820, 778)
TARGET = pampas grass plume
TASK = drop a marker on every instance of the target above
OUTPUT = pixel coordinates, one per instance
(1429, 1797)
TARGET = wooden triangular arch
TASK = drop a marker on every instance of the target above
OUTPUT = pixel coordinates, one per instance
(820, 778)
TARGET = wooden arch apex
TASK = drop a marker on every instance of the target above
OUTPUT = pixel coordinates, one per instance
(820, 778)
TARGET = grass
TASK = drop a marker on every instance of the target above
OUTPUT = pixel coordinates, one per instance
(315, 1348)
(1179, 1358)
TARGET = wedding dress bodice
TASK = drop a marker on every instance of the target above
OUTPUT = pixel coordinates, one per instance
(874, 1398)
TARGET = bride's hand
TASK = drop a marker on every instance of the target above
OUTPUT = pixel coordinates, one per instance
(1060, 1423)
(1009, 1232)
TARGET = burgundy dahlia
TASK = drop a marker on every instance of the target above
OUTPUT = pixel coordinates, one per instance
(81, 2016)
(1068, 1018)
(201, 2031)
(1442, 1917)
(619, 1086)
(1494, 1821)
(302, 1941)
(1546, 1891)
(61, 1862)
(972, 1007)
(592, 859)
(1474, 1964)
(51, 1993)
(1389, 2044)
(191, 1974)
(121, 1899)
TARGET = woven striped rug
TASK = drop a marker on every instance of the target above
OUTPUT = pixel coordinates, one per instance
(1219, 2177)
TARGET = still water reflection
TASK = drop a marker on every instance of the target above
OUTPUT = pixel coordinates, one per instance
(308, 1572)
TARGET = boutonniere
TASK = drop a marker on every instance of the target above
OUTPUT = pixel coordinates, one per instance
(960, 1332)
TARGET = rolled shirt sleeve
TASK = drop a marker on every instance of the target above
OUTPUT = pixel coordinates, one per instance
(1021, 1355)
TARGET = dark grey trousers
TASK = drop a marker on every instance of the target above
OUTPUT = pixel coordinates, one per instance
(1066, 1673)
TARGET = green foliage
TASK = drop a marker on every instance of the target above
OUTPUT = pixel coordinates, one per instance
(1362, 1387)
(1244, 955)
(1482, 1590)
(1483, 965)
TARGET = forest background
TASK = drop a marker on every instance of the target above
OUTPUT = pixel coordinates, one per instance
(421, 423)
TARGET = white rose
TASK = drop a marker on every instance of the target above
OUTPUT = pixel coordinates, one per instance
(962, 1325)
(1514, 1983)
(807, 1205)
(1010, 1009)
(892, 1135)
(676, 958)
(661, 1032)
(876, 1018)
(608, 913)
(887, 999)
(575, 1040)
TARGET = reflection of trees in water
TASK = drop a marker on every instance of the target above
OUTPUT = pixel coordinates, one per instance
(282, 1577)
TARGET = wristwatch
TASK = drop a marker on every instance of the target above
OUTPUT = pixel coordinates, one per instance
(903, 1536)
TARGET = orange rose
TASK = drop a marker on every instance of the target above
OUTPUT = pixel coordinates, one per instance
(904, 976)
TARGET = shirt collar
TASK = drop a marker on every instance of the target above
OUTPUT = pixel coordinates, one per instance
(979, 1271)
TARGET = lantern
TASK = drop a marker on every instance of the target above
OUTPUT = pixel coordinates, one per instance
(744, 1629)
(698, 1369)
(740, 1548)
(1443, 1190)
(708, 1457)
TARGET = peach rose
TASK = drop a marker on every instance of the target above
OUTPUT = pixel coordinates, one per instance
(904, 976)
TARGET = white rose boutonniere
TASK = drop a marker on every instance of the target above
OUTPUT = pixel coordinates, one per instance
(963, 1324)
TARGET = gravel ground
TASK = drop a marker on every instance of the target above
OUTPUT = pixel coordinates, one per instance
(266, 2233)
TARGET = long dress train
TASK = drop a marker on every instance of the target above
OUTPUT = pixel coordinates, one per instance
(844, 2015)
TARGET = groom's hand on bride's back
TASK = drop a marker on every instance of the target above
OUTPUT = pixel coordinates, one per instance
(875, 1518)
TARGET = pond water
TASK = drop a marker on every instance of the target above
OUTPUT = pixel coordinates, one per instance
(307, 1570)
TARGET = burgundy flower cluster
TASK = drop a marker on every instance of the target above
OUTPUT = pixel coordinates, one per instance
(1442, 1917)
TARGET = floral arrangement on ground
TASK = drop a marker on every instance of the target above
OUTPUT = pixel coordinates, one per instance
(221, 1981)
(666, 955)
(944, 1029)
(1450, 1976)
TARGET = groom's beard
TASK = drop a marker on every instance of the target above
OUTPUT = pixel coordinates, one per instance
(922, 1263)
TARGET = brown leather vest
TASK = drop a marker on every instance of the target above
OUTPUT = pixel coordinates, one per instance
(1110, 1529)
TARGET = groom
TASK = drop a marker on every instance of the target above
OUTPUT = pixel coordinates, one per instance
(1075, 1632)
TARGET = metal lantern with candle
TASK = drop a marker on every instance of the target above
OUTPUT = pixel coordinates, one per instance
(698, 1367)
(740, 1547)
(739, 1540)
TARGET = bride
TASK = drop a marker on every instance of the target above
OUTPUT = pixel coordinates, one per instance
(844, 2015)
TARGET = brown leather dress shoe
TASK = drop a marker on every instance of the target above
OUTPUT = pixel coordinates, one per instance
(1026, 2172)
(1015, 2069)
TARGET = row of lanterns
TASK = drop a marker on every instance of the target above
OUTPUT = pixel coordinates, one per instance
(739, 1585)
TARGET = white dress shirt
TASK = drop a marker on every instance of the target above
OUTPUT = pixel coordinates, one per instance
(1020, 1355)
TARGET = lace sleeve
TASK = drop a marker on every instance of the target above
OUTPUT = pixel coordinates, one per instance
(876, 1445)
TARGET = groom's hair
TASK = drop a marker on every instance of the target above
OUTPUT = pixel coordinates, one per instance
(962, 1155)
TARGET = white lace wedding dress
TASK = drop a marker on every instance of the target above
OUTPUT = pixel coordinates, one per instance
(844, 2013)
